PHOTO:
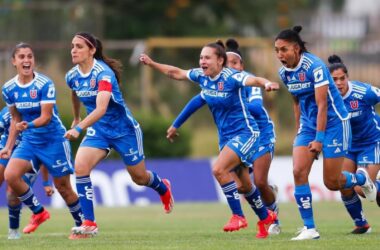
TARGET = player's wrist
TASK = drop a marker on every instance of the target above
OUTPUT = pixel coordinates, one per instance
(31, 125)
(78, 129)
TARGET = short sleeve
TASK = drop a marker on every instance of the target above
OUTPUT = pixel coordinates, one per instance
(373, 95)
(320, 76)
(7, 99)
(194, 74)
(48, 94)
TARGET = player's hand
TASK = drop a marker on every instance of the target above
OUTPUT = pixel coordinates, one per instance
(71, 134)
(49, 190)
(21, 126)
(171, 134)
(315, 147)
(145, 59)
(5, 153)
(272, 86)
(75, 122)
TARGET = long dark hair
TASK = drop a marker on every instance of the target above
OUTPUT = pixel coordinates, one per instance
(336, 63)
(292, 35)
(219, 50)
(94, 42)
(19, 46)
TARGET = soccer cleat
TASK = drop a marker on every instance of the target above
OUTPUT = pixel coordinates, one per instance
(274, 229)
(263, 225)
(235, 223)
(362, 230)
(368, 187)
(307, 234)
(88, 228)
(13, 234)
(35, 221)
(167, 198)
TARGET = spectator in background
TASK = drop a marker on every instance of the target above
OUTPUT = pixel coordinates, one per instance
(322, 122)
(360, 100)
(222, 90)
(94, 81)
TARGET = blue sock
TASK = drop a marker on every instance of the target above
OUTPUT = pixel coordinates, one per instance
(76, 212)
(254, 199)
(273, 207)
(31, 201)
(156, 183)
(353, 179)
(86, 197)
(304, 200)
(14, 216)
(233, 198)
(354, 208)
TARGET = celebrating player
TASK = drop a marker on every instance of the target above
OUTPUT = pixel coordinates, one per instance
(30, 97)
(222, 89)
(360, 99)
(266, 145)
(95, 82)
(322, 122)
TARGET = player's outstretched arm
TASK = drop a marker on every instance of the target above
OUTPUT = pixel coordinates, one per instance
(262, 83)
(171, 71)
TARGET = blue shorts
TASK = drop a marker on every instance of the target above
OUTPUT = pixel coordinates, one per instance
(129, 147)
(369, 155)
(263, 149)
(337, 139)
(245, 146)
(56, 156)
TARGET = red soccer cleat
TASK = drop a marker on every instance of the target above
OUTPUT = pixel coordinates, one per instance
(263, 225)
(167, 198)
(235, 223)
(35, 221)
(89, 228)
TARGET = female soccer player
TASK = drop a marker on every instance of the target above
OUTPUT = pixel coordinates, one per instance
(322, 122)
(360, 100)
(14, 204)
(266, 145)
(222, 89)
(30, 97)
(95, 82)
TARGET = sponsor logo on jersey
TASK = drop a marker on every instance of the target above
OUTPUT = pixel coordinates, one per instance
(33, 93)
(354, 104)
(335, 144)
(87, 93)
(26, 105)
(298, 86)
(337, 150)
(302, 76)
(25, 95)
(220, 86)
(92, 83)
(214, 93)
(358, 96)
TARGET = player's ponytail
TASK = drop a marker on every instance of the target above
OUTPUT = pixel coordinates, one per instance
(219, 50)
(94, 42)
(336, 63)
(233, 47)
(292, 35)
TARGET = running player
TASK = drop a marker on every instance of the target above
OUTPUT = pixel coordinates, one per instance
(322, 122)
(266, 145)
(222, 89)
(360, 99)
(14, 204)
(95, 82)
(30, 97)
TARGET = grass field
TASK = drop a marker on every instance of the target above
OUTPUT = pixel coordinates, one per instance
(194, 226)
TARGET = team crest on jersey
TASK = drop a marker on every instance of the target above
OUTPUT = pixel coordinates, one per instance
(220, 86)
(354, 104)
(301, 76)
(92, 83)
(76, 83)
(16, 95)
(33, 93)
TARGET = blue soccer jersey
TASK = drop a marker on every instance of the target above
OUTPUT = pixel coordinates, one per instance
(360, 100)
(28, 98)
(311, 73)
(225, 97)
(118, 120)
(5, 121)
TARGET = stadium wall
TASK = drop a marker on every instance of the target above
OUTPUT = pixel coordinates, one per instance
(191, 179)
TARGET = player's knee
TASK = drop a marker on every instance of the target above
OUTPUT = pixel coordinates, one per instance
(331, 184)
(261, 184)
(299, 175)
(218, 172)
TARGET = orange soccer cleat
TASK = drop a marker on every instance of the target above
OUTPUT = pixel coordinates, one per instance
(167, 198)
(263, 225)
(235, 223)
(35, 221)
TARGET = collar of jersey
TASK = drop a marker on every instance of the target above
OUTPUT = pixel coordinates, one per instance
(27, 84)
(348, 91)
(87, 74)
(298, 66)
(216, 77)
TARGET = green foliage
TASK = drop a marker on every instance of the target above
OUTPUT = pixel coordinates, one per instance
(155, 143)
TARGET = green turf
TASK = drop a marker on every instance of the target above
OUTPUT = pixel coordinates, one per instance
(194, 226)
